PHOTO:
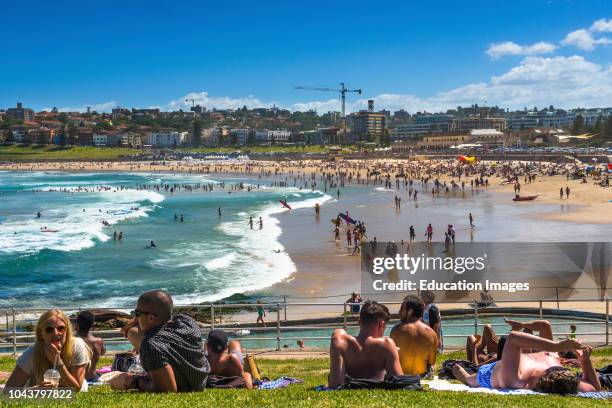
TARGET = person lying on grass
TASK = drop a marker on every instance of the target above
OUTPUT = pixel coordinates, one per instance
(171, 348)
(540, 371)
(225, 357)
(370, 355)
(55, 347)
(489, 347)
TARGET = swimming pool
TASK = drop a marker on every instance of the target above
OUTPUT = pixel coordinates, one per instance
(455, 331)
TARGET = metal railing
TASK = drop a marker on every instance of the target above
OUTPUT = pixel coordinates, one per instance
(14, 340)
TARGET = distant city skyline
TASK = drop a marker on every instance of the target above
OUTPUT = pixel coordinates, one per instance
(410, 55)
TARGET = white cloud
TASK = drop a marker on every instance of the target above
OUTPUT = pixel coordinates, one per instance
(497, 50)
(536, 81)
(602, 25)
(98, 107)
(219, 102)
(584, 40)
(329, 105)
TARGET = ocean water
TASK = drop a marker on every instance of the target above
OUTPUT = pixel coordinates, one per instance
(206, 257)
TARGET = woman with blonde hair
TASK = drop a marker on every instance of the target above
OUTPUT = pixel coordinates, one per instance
(55, 346)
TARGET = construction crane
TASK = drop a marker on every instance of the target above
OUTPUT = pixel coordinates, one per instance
(193, 101)
(343, 90)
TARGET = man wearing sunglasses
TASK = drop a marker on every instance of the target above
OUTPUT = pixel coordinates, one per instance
(171, 347)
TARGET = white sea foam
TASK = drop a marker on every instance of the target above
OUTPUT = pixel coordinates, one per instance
(76, 229)
(259, 260)
(221, 262)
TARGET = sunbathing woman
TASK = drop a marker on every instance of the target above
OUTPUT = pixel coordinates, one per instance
(541, 371)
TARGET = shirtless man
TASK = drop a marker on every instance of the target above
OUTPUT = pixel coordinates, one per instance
(84, 322)
(540, 371)
(370, 355)
(225, 357)
(417, 341)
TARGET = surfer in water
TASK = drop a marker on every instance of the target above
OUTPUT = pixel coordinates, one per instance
(260, 223)
(251, 222)
(219, 211)
(151, 245)
(38, 215)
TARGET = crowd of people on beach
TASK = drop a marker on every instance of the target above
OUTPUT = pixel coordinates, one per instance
(169, 354)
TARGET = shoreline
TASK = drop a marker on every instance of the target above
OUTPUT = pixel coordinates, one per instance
(322, 271)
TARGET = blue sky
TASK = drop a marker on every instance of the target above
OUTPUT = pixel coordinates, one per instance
(417, 55)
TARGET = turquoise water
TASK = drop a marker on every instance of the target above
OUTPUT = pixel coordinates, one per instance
(460, 327)
(206, 257)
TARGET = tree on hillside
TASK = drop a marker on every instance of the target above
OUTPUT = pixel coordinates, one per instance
(63, 136)
(607, 128)
(578, 125)
(73, 134)
(42, 138)
(8, 136)
(251, 138)
(196, 130)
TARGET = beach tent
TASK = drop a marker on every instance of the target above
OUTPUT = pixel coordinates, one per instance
(609, 166)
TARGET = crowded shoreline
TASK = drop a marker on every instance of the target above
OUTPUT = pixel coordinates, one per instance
(587, 202)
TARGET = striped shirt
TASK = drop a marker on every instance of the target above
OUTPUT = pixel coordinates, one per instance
(179, 344)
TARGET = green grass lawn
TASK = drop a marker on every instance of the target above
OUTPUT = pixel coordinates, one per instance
(17, 152)
(314, 372)
(33, 152)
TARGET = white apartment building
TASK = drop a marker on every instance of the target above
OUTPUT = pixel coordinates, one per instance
(166, 139)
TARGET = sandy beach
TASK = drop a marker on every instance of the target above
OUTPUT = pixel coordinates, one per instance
(326, 272)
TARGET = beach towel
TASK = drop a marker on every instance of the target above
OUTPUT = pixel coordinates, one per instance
(104, 370)
(602, 395)
(281, 382)
(399, 382)
(445, 385)
(217, 381)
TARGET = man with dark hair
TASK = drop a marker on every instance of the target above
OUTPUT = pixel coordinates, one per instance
(84, 322)
(417, 341)
(370, 355)
(171, 348)
(225, 357)
(540, 371)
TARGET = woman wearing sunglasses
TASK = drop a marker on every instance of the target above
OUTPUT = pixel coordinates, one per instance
(55, 346)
